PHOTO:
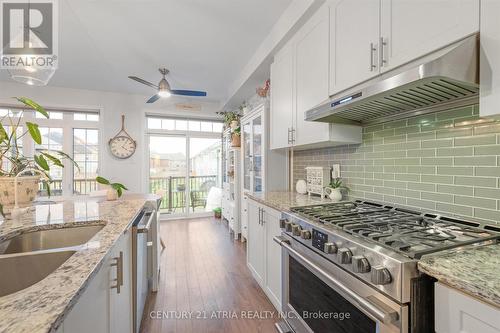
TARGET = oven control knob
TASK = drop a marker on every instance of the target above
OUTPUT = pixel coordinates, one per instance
(360, 264)
(344, 255)
(305, 234)
(283, 223)
(288, 226)
(296, 229)
(330, 248)
(380, 275)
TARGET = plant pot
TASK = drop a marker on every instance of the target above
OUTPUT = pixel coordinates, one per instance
(235, 140)
(111, 194)
(27, 188)
(234, 124)
(335, 194)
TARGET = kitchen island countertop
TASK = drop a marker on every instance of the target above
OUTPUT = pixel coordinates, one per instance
(43, 306)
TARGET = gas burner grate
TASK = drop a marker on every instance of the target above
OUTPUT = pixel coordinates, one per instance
(410, 233)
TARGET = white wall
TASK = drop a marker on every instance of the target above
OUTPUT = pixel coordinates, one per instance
(131, 171)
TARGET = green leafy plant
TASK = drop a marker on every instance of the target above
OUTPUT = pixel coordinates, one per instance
(237, 131)
(338, 183)
(10, 146)
(119, 188)
(230, 116)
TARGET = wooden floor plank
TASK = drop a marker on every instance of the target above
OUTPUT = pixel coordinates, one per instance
(204, 273)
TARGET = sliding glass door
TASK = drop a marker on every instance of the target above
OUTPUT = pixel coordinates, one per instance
(168, 171)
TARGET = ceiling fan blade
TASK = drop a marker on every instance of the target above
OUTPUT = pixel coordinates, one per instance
(138, 79)
(189, 93)
(153, 98)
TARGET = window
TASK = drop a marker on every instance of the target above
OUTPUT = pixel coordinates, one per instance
(6, 163)
(86, 116)
(191, 125)
(86, 154)
(76, 133)
(52, 139)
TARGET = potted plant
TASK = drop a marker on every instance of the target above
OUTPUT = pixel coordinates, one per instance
(27, 170)
(231, 119)
(236, 137)
(218, 212)
(334, 192)
(115, 190)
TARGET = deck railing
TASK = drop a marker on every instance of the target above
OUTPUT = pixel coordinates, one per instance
(80, 186)
(175, 191)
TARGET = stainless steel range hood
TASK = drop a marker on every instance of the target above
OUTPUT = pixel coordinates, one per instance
(444, 77)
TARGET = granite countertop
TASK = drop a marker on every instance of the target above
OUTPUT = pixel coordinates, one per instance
(44, 305)
(284, 200)
(473, 270)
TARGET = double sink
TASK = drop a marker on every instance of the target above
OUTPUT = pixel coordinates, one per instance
(30, 257)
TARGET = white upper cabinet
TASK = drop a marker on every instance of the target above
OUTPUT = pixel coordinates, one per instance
(300, 79)
(411, 29)
(354, 37)
(312, 76)
(490, 59)
(282, 98)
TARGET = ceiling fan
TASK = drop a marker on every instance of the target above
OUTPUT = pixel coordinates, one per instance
(163, 88)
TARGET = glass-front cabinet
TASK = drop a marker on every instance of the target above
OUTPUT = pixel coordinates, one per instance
(253, 154)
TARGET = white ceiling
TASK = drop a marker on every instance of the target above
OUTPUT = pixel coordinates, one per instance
(204, 43)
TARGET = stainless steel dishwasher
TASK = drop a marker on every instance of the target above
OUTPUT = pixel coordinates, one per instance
(141, 227)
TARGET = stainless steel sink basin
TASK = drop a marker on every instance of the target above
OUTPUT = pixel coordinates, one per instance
(21, 271)
(49, 239)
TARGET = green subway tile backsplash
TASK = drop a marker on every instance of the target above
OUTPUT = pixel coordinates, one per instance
(448, 162)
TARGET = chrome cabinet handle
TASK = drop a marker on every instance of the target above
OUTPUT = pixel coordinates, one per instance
(373, 49)
(369, 304)
(119, 272)
(293, 135)
(383, 44)
(262, 218)
(259, 215)
(289, 131)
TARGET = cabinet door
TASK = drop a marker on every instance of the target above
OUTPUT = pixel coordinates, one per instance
(312, 78)
(281, 98)
(244, 216)
(458, 313)
(255, 242)
(121, 303)
(354, 29)
(490, 59)
(258, 154)
(273, 256)
(91, 312)
(411, 29)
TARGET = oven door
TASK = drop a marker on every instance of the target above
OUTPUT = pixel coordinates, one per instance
(318, 296)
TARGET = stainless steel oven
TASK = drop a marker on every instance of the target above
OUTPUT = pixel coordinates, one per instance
(319, 296)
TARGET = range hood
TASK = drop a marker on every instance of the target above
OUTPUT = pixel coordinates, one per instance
(444, 77)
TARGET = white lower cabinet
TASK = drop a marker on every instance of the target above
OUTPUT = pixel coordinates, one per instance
(456, 312)
(263, 254)
(101, 308)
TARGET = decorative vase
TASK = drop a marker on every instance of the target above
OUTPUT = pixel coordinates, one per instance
(334, 194)
(235, 140)
(234, 124)
(27, 188)
(111, 194)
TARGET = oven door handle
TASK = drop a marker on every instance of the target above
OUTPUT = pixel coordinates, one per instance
(145, 229)
(385, 316)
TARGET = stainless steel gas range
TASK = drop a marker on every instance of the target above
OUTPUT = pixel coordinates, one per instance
(351, 267)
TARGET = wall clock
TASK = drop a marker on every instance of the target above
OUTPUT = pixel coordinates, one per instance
(122, 145)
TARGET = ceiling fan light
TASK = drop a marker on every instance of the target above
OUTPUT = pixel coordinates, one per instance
(164, 93)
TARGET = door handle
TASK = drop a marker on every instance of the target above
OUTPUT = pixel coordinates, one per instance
(262, 218)
(369, 304)
(383, 44)
(145, 229)
(259, 214)
(373, 49)
(289, 141)
(119, 272)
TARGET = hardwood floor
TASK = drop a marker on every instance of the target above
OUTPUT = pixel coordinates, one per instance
(204, 278)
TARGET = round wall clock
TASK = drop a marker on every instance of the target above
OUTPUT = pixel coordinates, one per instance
(122, 145)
